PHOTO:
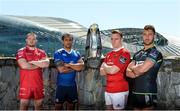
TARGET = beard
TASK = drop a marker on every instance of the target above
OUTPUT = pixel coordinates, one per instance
(69, 46)
(147, 42)
(31, 45)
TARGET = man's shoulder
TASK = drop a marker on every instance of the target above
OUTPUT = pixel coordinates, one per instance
(20, 53)
(126, 51)
(75, 51)
(154, 49)
(22, 49)
(155, 52)
(40, 50)
(136, 53)
(59, 51)
(109, 53)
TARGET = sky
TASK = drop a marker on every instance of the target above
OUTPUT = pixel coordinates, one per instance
(108, 14)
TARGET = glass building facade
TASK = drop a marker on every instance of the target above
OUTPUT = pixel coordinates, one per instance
(13, 30)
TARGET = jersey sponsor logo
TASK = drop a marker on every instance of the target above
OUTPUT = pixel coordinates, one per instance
(115, 55)
(144, 54)
(122, 60)
(153, 54)
(64, 55)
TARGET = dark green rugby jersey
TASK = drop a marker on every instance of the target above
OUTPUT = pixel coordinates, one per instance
(146, 83)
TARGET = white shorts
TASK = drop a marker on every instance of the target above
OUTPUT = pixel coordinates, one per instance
(118, 100)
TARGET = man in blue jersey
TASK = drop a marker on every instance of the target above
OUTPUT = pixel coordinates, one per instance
(68, 62)
(144, 69)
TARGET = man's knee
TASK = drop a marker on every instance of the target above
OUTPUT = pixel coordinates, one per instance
(24, 104)
(72, 105)
(38, 104)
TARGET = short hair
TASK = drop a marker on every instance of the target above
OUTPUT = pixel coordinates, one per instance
(66, 35)
(117, 32)
(150, 27)
(31, 34)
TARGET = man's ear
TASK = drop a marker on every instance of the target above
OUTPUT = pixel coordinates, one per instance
(121, 39)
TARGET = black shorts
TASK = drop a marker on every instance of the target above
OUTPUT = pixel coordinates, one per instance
(144, 100)
(66, 93)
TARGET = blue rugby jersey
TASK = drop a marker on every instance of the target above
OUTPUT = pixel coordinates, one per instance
(66, 79)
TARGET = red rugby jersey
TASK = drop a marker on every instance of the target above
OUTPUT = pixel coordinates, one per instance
(31, 78)
(117, 82)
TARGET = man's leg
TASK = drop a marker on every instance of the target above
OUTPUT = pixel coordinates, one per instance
(152, 103)
(58, 106)
(70, 106)
(38, 104)
(108, 101)
(72, 97)
(144, 102)
(109, 107)
(60, 97)
(38, 98)
(24, 103)
(119, 100)
(148, 108)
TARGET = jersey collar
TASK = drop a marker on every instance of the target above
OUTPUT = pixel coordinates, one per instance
(115, 50)
(28, 48)
(67, 51)
(149, 48)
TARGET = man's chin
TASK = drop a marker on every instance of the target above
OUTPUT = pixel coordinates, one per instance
(148, 43)
(31, 45)
(69, 47)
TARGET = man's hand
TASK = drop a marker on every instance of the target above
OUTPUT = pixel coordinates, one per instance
(129, 71)
(26, 65)
(64, 69)
(59, 63)
(67, 65)
(140, 69)
(110, 69)
(43, 63)
(76, 66)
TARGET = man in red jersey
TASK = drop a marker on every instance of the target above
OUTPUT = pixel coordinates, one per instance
(31, 60)
(114, 68)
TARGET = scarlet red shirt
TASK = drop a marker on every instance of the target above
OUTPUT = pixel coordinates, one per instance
(117, 82)
(31, 78)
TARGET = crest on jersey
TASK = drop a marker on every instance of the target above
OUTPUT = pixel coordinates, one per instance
(122, 60)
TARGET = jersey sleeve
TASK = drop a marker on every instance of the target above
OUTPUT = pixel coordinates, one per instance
(20, 54)
(43, 54)
(57, 57)
(133, 59)
(79, 55)
(105, 59)
(122, 61)
(153, 55)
